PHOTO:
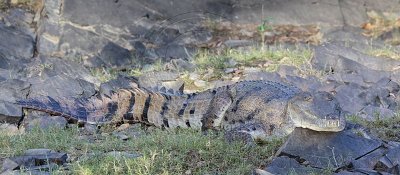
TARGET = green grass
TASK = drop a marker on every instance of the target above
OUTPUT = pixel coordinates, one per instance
(386, 52)
(386, 128)
(163, 152)
(268, 60)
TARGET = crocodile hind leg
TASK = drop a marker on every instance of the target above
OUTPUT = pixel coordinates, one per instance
(251, 134)
(217, 108)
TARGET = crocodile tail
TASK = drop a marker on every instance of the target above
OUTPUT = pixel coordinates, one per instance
(92, 111)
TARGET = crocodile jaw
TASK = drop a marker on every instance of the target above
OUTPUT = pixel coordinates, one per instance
(303, 115)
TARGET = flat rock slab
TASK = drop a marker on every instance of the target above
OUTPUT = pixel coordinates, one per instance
(327, 149)
(35, 159)
(285, 165)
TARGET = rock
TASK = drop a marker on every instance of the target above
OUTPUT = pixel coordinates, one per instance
(120, 82)
(35, 159)
(11, 90)
(285, 165)
(21, 20)
(372, 113)
(45, 122)
(340, 58)
(327, 149)
(9, 164)
(15, 44)
(310, 83)
(62, 86)
(350, 98)
(114, 55)
(394, 156)
(368, 161)
(179, 65)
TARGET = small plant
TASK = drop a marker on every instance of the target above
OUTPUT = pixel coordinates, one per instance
(264, 26)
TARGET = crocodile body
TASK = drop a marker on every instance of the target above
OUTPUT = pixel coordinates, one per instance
(257, 107)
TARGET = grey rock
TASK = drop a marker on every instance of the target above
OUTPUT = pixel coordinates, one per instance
(372, 113)
(45, 122)
(306, 84)
(330, 56)
(20, 19)
(352, 37)
(394, 156)
(44, 67)
(179, 65)
(15, 44)
(350, 98)
(38, 159)
(174, 51)
(285, 165)
(114, 55)
(368, 161)
(323, 149)
(11, 90)
(9, 164)
(120, 82)
(60, 86)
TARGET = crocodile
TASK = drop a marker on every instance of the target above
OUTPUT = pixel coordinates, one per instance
(261, 109)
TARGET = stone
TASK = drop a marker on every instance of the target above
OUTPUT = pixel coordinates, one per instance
(368, 161)
(350, 98)
(45, 122)
(120, 82)
(179, 65)
(15, 44)
(331, 56)
(394, 155)
(327, 149)
(9, 164)
(284, 165)
(62, 86)
(35, 159)
(11, 90)
(114, 55)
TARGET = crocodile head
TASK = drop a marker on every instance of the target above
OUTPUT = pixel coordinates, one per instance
(319, 111)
